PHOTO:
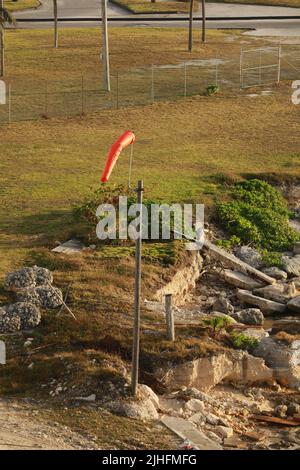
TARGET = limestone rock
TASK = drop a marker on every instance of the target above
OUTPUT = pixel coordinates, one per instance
(283, 359)
(256, 333)
(224, 431)
(290, 325)
(9, 322)
(206, 373)
(183, 281)
(212, 419)
(268, 307)
(250, 256)
(291, 265)
(29, 314)
(198, 419)
(43, 296)
(296, 248)
(194, 405)
(294, 305)
(187, 431)
(249, 316)
(281, 411)
(147, 393)
(28, 277)
(232, 262)
(223, 305)
(237, 279)
(276, 273)
(293, 409)
(142, 410)
(230, 318)
(281, 293)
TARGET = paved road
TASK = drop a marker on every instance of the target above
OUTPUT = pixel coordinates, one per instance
(92, 8)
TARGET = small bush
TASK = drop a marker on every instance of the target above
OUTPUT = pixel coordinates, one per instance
(244, 342)
(212, 90)
(272, 258)
(257, 213)
(229, 244)
(217, 324)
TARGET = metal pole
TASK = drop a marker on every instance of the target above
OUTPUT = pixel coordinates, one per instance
(152, 83)
(2, 45)
(46, 99)
(241, 69)
(117, 90)
(279, 62)
(217, 70)
(55, 14)
(191, 18)
(105, 48)
(9, 103)
(137, 296)
(82, 95)
(260, 65)
(169, 318)
(185, 80)
(203, 21)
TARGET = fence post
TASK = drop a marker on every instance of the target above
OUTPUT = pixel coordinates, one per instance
(46, 99)
(217, 71)
(241, 68)
(279, 62)
(185, 80)
(260, 65)
(169, 318)
(152, 84)
(117, 77)
(82, 95)
(9, 103)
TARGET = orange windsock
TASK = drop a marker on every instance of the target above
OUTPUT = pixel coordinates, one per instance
(124, 141)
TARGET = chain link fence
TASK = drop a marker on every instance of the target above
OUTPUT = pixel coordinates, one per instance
(49, 98)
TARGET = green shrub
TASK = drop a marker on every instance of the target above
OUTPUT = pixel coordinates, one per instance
(212, 90)
(85, 215)
(257, 213)
(217, 324)
(272, 258)
(241, 341)
(229, 244)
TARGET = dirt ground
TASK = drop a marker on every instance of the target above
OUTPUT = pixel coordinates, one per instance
(20, 429)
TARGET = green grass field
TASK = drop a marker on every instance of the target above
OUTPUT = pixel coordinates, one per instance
(137, 6)
(275, 3)
(21, 4)
(147, 7)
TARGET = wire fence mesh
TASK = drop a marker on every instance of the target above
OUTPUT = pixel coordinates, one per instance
(53, 98)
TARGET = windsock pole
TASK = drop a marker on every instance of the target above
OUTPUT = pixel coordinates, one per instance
(137, 295)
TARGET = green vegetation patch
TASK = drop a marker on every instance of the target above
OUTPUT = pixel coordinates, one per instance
(257, 213)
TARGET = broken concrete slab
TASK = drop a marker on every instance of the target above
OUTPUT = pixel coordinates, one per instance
(231, 261)
(207, 372)
(291, 265)
(296, 248)
(268, 307)
(187, 431)
(238, 279)
(249, 316)
(294, 305)
(275, 272)
(290, 325)
(70, 247)
(281, 293)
